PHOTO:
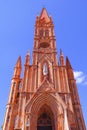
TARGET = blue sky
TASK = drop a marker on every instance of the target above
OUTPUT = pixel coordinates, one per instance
(17, 20)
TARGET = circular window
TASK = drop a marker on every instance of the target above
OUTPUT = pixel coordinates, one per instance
(44, 45)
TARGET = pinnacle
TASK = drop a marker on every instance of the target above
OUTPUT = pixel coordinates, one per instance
(18, 64)
(28, 53)
(68, 63)
(27, 58)
(61, 53)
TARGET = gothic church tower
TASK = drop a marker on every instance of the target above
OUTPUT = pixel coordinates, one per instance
(46, 98)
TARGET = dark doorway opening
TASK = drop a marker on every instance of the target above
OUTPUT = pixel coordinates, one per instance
(44, 122)
(44, 128)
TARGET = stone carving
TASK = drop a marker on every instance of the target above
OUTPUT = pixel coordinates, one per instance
(45, 69)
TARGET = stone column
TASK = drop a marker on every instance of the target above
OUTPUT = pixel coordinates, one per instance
(60, 122)
(66, 125)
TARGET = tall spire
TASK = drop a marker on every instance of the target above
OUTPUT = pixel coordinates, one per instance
(68, 65)
(18, 63)
(69, 69)
(44, 15)
(17, 69)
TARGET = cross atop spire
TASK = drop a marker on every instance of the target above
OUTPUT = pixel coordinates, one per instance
(44, 15)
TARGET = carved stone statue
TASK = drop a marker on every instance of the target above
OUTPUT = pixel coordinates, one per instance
(45, 69)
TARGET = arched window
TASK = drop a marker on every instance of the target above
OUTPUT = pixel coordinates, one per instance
(41, 32)
(45, 69)
(47, 33)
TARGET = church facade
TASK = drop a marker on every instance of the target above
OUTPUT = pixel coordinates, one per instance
(46, 98)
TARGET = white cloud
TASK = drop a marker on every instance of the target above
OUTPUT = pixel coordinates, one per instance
(80, 77)
(78, 74)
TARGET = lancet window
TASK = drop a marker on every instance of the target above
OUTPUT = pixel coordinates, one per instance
(41, 33)
(47, 33)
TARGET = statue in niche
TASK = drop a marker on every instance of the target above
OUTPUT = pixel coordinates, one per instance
(16, 121)
(45, 69)
(28, 121)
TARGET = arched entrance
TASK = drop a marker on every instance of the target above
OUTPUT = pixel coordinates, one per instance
(50, 104)
(45, 119)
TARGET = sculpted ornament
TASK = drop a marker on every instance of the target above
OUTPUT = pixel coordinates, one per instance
(45, 69)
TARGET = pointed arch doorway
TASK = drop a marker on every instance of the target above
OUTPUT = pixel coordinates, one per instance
(45, 119)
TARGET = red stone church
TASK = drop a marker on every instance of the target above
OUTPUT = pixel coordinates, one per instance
(46, 97)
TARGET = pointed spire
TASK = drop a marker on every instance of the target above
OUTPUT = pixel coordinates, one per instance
(69, 69)
(61, 58)
(44, 15)
(68, 65)
(27, 62)
(17, 69)
(18, 63)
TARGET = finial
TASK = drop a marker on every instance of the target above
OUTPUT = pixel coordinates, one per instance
(28, 53)
(18, 63)
(61, 53)
(61, 58)
(27, 62)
